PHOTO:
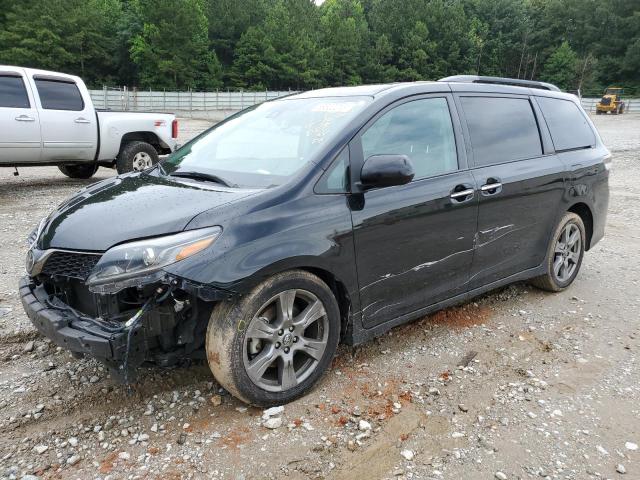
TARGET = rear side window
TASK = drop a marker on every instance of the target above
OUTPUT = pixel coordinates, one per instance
(421, 130)
(568, 126)
(55, 95)
(13, 94)
(502, 129)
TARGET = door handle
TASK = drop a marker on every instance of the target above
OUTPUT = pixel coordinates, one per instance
(462, 195)
(25, 118)
(81, 120)
(492, 187)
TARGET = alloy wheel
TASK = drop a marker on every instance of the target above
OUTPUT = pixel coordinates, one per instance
(567, 252)
(285, 340)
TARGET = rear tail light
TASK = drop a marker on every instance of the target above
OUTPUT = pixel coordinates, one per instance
(174, 129)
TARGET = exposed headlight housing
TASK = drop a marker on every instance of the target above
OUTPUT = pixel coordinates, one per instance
(33, 237)
(145, 258)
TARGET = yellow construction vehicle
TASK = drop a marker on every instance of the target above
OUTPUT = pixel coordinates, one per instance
(611, 102)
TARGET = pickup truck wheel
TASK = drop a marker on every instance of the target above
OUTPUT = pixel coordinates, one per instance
(564, 254)
(79, 171)
(136, 157)
(270, 346)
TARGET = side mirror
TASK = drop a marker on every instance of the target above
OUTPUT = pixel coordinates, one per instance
(386, 171)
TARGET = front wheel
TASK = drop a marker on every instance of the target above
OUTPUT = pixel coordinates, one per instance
(136, 157)
(564, 255)
(271, 346)
(79, 171)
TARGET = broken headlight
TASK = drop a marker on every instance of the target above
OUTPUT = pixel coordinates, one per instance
(145, 257)
(33, 237)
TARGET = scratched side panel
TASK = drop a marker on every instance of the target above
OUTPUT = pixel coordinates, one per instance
(413, 246)
(514, 225)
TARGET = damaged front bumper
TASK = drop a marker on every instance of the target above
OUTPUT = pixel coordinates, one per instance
(165, 333)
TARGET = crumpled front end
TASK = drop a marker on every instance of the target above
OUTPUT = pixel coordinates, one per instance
(160, 318)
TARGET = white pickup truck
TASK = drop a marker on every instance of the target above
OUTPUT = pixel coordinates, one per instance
(47, 118)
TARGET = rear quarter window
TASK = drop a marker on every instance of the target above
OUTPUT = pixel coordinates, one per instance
(57, 95)
(567, 124)
(501, 129)
(13, 93)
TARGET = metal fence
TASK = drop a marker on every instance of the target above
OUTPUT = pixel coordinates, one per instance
(191, 102)
(206, 104)
(632, 105)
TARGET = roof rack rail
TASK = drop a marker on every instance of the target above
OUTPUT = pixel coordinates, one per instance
(516, 82)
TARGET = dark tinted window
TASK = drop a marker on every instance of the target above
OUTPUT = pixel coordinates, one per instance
(12, 93)
(335, 179)
(501, 129)
(421, 130)
(59, 95)
(568, 126)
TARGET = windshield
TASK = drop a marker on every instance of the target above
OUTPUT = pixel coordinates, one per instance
(265, 145)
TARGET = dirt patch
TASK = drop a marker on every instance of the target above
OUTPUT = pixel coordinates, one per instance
(462, 317)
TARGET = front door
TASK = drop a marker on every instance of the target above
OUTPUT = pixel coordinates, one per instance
(414, 242)
(69, 125)
(19, 122)
(520, 186)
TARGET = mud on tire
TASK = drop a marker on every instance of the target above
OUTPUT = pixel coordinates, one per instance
(230, 331)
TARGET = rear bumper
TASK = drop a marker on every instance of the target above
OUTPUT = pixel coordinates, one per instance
(76, 334)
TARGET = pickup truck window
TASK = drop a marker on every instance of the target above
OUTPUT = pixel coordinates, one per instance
(58, 95)
(13, 94)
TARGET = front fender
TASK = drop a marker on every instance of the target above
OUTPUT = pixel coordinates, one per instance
(313, 232)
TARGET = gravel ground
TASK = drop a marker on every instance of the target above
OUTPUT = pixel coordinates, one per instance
(518, 384)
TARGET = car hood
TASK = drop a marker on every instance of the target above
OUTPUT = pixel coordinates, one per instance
(130, 207)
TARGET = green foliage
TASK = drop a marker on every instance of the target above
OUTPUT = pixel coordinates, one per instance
(560, 68)
(68, 35)
(344, 36)
(281, 52)
(172, 50)
(298, 44)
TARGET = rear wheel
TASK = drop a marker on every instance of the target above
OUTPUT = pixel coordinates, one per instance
(564, 256)
(79, 171)
(136, 157)
(271, 346)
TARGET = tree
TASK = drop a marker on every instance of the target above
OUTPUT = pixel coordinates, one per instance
(282, 52)
(303, 44)
(228, 20)
(560, 68)
(172, 50)
(415, 54)
(344, 33)
(73, 36)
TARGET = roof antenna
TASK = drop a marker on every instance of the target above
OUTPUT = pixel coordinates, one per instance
(16, 173)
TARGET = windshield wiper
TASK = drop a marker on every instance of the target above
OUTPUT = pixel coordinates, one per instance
(204, 176)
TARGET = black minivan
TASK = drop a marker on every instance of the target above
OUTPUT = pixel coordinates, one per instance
(326, 216)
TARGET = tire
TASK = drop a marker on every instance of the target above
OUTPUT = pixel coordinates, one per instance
(79, 171)
(554, 280)
(136, 156)
(234, 349)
